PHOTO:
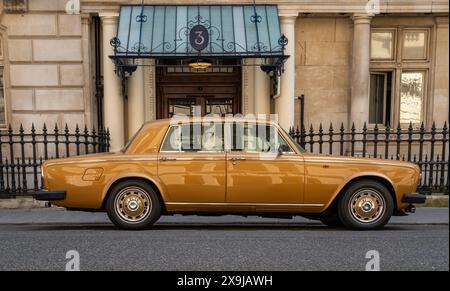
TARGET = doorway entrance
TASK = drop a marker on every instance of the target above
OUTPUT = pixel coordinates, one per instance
(184, 90)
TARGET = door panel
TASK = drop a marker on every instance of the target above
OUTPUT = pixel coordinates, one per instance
(192, 163)
(253, 180)
(256, 173)
(193, 177)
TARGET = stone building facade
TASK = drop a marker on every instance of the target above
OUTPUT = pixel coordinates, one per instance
(353, 62)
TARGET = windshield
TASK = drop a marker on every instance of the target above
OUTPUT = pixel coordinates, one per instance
(297, 145)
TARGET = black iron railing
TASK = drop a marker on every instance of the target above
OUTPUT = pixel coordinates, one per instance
(427, 148)
(23, 152)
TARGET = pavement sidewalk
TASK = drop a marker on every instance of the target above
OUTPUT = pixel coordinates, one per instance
(61, 216)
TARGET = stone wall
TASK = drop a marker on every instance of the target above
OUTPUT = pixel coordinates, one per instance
(47, 80)
(323, 59)
(48, 67)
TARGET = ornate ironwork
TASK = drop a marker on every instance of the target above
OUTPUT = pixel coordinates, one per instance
(256, 18)
(178, 43)
(141, 18)
(23, 151)
(428, 148)
(283, 41)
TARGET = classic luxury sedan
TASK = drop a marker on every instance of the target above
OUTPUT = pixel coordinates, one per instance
(226, 166)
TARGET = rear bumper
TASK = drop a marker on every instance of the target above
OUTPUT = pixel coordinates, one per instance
(50, 195)
(414, 198)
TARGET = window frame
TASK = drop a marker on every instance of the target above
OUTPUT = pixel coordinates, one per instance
(278, 131)
(180, 150)
(428, 44)
(398, 66)
(394, 44)
(226, 134)
(384, 73)
(424, 93)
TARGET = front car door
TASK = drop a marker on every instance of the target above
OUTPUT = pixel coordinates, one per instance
(256, 173)
(191, 163)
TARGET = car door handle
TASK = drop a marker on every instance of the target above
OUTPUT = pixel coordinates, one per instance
(238, 159)
(165, 159)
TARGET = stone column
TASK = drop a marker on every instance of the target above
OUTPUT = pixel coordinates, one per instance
(440, 107)
(89, 101)
(360, 74)
(136, 106)
(261, 92)
(285, 104)
(113, 101)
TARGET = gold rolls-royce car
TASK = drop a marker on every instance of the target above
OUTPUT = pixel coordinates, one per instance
(219, 166)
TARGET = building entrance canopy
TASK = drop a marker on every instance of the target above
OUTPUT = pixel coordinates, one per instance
(200, 32)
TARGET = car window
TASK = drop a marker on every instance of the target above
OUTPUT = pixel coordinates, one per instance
(194, 137)
(172, 141)
(261, 138)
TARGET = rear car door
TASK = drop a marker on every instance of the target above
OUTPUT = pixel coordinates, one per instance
(191, 163)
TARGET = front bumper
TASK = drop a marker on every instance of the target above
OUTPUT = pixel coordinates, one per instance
(44, 195)
(414, 198)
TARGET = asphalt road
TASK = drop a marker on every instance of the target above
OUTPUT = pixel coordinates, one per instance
(229, 244)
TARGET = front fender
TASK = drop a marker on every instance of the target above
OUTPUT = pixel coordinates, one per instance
(356, 176)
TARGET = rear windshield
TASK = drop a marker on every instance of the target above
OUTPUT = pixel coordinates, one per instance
(125, 148)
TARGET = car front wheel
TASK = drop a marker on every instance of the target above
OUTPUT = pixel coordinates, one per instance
(366, 205)
(133, 204)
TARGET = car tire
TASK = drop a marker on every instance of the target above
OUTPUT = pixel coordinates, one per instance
(133, 205)
(366, 205)
(332, 222)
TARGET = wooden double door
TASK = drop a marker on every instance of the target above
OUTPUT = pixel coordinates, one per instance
(182, 90)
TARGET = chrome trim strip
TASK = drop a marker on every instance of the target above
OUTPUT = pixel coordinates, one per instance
(243, 204)
(183, 159)
(127, 159)
(382, 162)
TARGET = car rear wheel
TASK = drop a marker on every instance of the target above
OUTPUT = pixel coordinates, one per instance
(133, 204)
(366, 205)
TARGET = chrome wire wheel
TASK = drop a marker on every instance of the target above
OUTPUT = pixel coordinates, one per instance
(133, 204)
(367, 205)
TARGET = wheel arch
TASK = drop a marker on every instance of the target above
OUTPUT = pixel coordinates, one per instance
(370, 176)
(152, 183)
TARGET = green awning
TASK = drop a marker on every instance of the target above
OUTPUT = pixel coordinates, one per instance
(164, 31)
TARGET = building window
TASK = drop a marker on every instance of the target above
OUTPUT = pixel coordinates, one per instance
(415, 45)
(411, 97)
(400, 65)
(382, 45)
(174, 70)
(380, 98)
(15, 6)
